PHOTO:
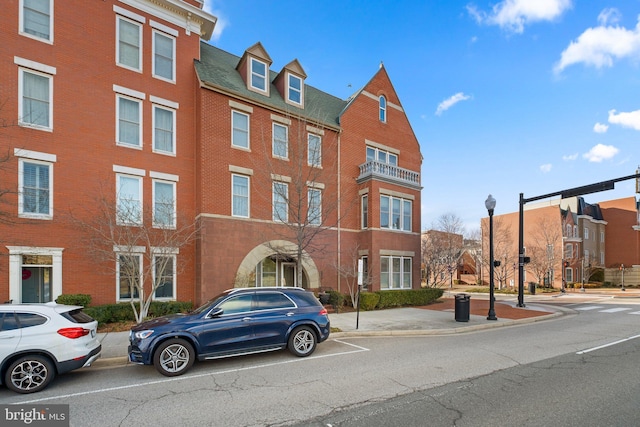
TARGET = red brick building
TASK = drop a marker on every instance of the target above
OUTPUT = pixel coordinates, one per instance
(97, 101)
(285, 184)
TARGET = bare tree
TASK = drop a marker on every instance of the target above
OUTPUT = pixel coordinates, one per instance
(299, 164)
(138, 245)
(546, 238)
(503, 249)
(441, 249)
(348, 270)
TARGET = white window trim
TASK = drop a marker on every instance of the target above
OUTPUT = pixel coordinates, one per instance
(290, 90)
(273, 141)
(248, 178)
(402, 272)
(265, 77)
(401, 225)
(33, 215)
(310, 220)
(140, 189)
(33, 36)
(173, 58)
(382, 112)
(140, 126)
(135, 252)
(172, 225)
(37, 69)
(15, 269)
(319, 163)
(274, 193)
(166, 252)
(173, 133)
(248, 147)
(129, 17)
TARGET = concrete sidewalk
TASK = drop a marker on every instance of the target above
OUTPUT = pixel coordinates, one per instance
(437, 318)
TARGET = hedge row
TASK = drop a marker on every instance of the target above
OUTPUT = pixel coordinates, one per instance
(122, 312)
(389, 299)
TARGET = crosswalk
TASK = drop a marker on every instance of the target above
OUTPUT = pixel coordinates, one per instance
(605, 309)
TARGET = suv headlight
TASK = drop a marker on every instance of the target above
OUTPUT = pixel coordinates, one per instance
(142, 334)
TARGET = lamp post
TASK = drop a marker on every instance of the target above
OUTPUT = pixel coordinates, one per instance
(622, 268)
(490, 204)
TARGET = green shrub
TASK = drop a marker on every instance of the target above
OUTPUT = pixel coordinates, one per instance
(369, 300)
(336, 299)
(74, 299)
(400, 298)
(122, 312)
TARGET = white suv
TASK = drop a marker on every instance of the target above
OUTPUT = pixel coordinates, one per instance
(38, 341)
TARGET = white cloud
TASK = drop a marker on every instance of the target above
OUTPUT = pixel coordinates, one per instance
(628, 120)
(570, 157)
(546, 168)
(600, 152)
(609, 15)
(600, 128)
(513, 15)
(450, 102)
(599, 46)
(221, 20)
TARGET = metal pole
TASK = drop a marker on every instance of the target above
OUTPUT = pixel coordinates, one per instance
(521, 253)
(492, 312)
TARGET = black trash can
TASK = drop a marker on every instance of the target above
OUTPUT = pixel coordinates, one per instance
(462, 307)
(532, 288)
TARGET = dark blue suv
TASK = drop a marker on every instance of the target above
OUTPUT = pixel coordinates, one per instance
(237, 322)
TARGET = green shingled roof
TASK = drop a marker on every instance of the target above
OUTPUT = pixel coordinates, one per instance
(217, 69)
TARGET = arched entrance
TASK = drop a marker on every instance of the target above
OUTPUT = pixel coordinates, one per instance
(264, 266)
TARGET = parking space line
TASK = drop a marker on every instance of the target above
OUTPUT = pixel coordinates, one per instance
(358, 349)
(608, 345)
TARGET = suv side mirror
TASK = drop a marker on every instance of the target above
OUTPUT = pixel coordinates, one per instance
(216, 312)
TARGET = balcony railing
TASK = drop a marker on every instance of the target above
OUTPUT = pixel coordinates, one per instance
(389, 173)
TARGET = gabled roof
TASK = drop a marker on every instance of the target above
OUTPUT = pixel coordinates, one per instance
(216, 70)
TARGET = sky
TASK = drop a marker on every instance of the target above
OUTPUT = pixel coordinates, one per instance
(505, 97)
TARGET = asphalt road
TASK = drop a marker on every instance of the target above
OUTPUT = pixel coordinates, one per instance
(473, 373)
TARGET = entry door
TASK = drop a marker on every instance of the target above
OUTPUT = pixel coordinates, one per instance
(36, 284)
(288, 276)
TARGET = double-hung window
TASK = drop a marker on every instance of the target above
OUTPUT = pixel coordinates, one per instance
(314, 150)
(35, 99)
(164, 135)
(364, 209)
(240, 196)
(164, 51)
(35, 189)
(395, 272)
(280, 141)
(280, 197)
(294, 89)
(314, 212)
(129, 274)
(258, 75)
(129, 44)
(129, 199)
(164, 204)
(239, 129)
(164, 273)
(395, 213)
(129, 121)
(36, 19)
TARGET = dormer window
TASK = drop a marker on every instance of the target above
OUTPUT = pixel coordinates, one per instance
(294, 89)
(258, 75)
(383, 109)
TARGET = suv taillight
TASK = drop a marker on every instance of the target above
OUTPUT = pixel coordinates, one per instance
(323, 312)
(73, 333)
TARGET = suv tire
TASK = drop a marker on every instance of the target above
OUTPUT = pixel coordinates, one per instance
(174, 357)
(29, 374)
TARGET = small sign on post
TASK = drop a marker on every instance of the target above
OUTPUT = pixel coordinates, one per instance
(360, 267)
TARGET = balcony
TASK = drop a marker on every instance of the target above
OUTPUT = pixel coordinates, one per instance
(389, 173)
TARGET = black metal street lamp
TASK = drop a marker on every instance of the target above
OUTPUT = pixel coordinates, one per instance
(490, 204)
